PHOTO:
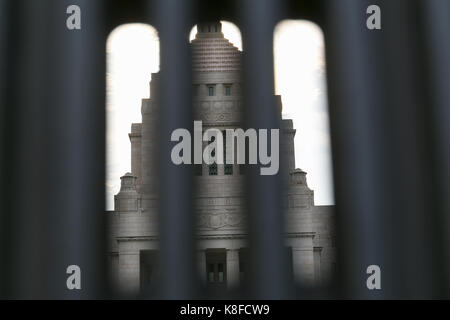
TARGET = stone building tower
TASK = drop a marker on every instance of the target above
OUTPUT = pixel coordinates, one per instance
(219, 198)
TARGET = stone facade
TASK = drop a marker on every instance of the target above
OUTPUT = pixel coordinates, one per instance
(219, 197)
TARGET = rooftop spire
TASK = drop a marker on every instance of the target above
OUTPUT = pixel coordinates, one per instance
(211, 52)
(209, 30)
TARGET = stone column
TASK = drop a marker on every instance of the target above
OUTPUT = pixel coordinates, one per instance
(129, 272)
(232, 268)
(202, 90)
(317, 266)
(201, 266)
(135, 139)
(303, 265)
(220, 89)
(287, 150)
(149, 138)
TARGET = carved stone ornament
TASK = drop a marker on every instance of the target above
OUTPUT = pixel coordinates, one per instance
(220, 220)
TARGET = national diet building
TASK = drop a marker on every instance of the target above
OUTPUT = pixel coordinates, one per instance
(219, 203)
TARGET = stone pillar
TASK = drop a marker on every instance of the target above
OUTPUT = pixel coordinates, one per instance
(149, 138)
(287, 149)
(148, 141)
(317, 266)
(232, 268)
(201, 266)
(202, 90)
(148, 153)
(135, 139)
(303, 265)
(220, 89)
(129, 272)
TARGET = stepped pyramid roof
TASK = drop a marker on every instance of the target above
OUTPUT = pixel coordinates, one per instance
(211, 52)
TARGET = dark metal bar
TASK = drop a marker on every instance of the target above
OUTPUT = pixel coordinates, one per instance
(437, 52)
(77, 99)
(382, 150)
(4, 145)
(28, 186)
(175, 182)
(411, 154)
(57, 181)
(355, 76)
(268, 277)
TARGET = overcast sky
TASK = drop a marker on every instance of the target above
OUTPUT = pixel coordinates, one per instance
(133, 54)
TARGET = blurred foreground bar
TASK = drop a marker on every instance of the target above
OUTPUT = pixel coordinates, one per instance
(390, 155)
(178, 274)
(53, 151)
(267, 262)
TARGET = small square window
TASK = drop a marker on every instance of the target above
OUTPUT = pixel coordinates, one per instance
(211, 91)
(213, 169)
(228, 169)
(211, 272)
(228, 90)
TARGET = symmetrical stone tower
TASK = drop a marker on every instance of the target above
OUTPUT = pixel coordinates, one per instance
(219, 198)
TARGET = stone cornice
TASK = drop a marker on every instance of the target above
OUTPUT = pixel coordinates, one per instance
(219, 236)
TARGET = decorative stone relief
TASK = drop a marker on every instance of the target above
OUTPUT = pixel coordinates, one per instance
(221, 220)
(228, 201)
(221, 111)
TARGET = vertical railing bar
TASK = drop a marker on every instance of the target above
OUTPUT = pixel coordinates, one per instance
(267, 263)
(5, 143)
(437, 48)
(77, 100)
(380, 144)
(27, 268)
(410, 158)
(355, 96)
(57, 187)
(175, 182)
